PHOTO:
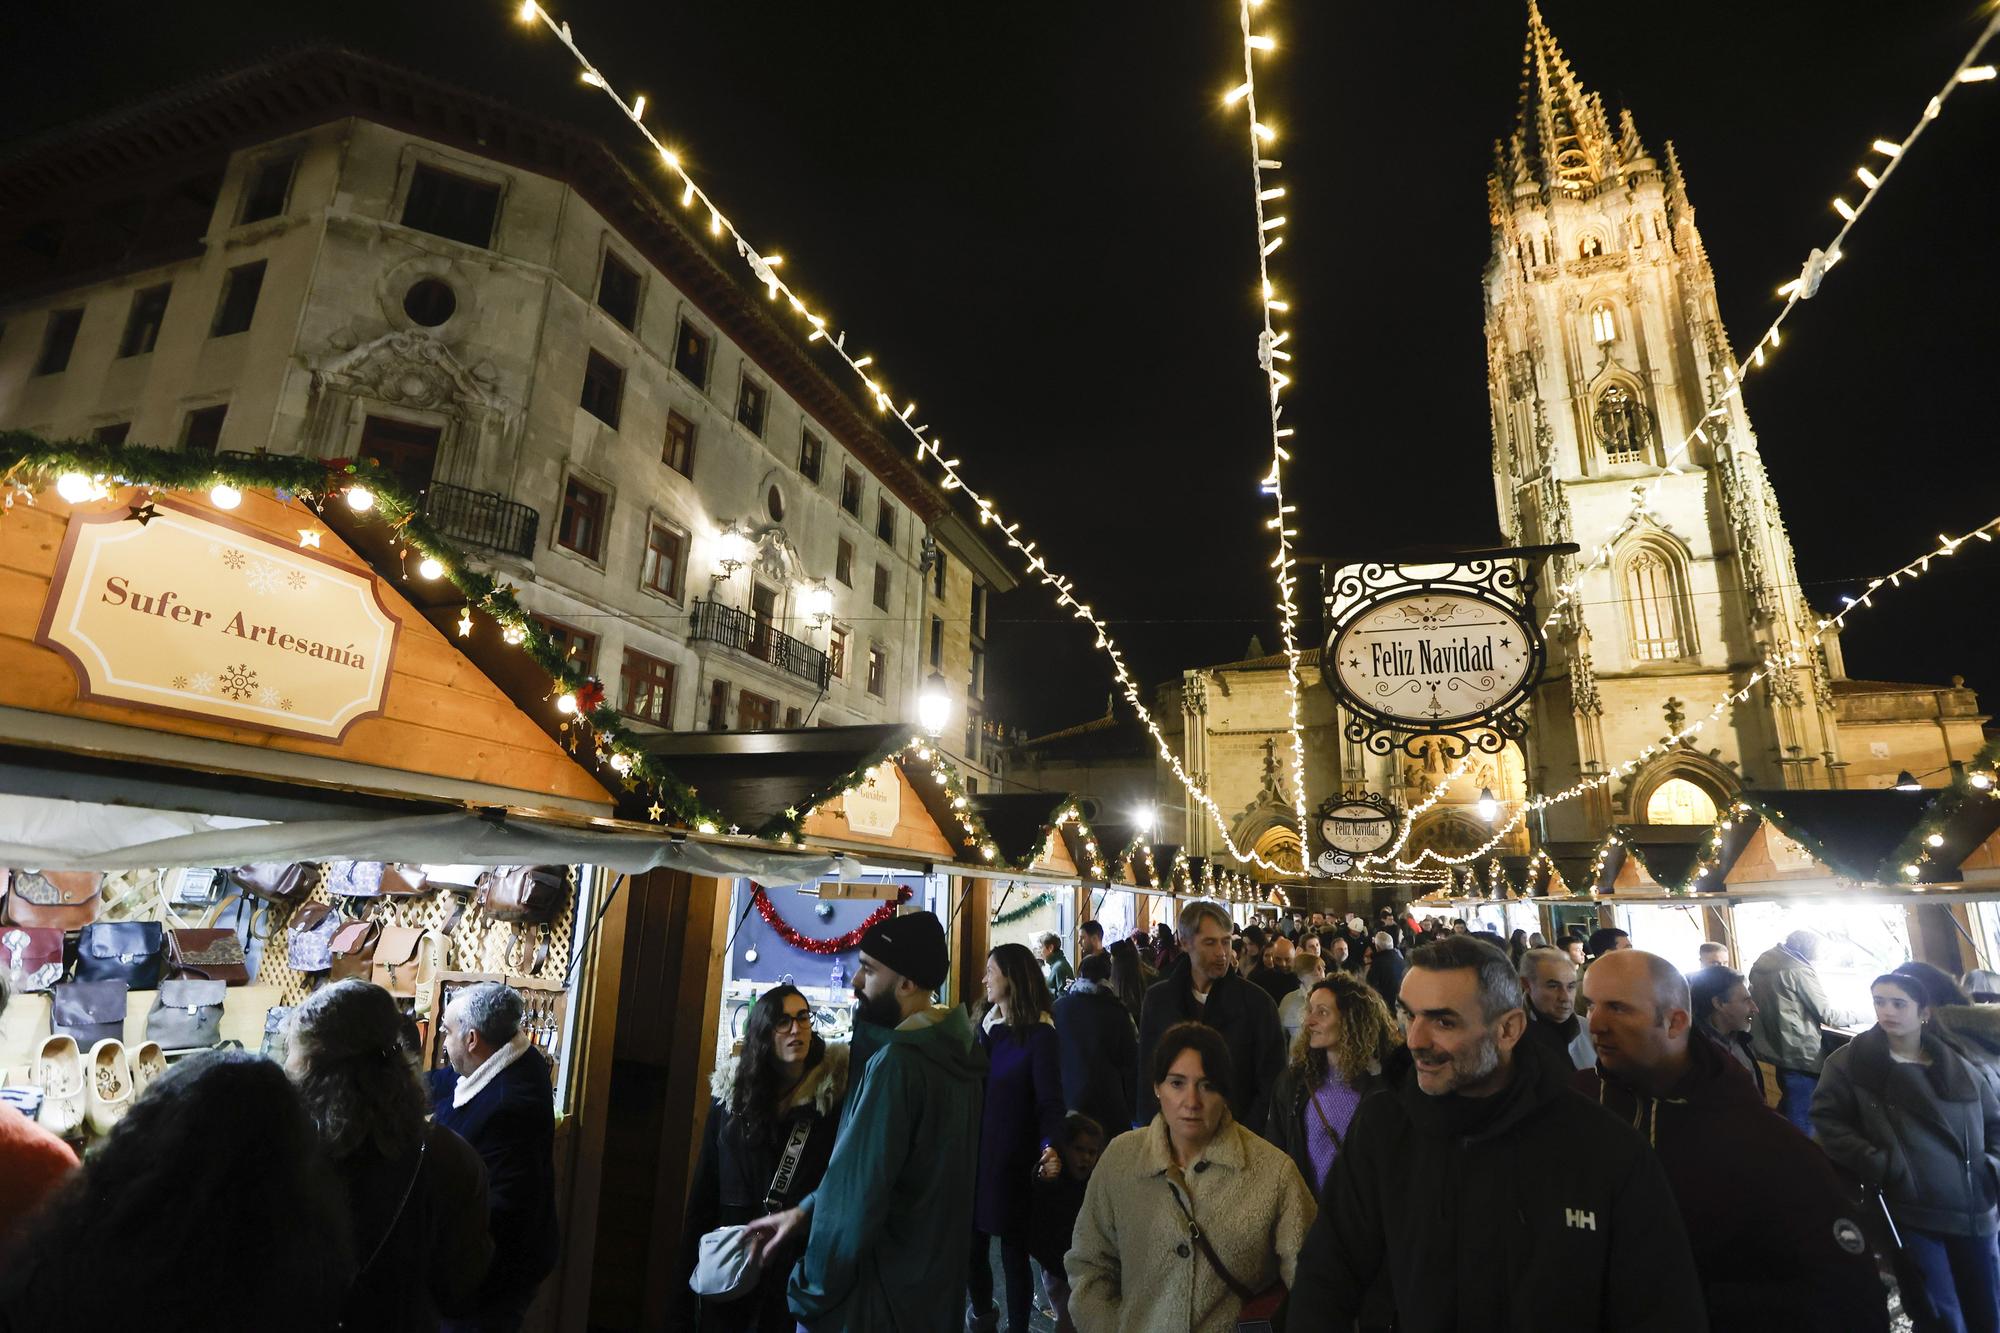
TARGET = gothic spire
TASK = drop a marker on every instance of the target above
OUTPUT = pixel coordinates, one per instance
(1562, 137)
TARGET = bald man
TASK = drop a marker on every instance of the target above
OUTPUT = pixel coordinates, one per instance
(1774, 1240)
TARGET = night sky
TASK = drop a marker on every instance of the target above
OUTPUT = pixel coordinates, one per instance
(1037, 217)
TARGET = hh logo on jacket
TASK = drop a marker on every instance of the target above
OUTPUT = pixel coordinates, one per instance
(1582, 1221)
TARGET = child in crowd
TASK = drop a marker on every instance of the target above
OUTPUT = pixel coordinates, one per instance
(1056, 1205)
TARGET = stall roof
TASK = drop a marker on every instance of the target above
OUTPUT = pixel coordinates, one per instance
(1019, 823)
(1856, 833)
(1668, 853)
(761, 780)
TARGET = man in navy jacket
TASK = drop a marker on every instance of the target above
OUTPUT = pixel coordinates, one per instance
(497, 1096)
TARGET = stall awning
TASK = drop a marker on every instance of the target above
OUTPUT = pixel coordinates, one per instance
(1021, 824)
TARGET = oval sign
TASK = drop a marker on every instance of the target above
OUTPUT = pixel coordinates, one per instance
(1428, 659)
(1357, 828)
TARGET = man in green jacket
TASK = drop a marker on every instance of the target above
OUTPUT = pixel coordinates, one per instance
(885, 1249)
(1785, 1029)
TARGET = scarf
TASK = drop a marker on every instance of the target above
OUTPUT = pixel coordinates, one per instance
(475, 1083)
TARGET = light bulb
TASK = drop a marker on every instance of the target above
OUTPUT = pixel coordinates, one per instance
(431, 567)
(705, 826)
(512, 634)
(566, 703)
(1935, 840)
(1982, 780)
(224, 496)
(621, 762)
(1489, 809)
(74, 487)
(360, 499)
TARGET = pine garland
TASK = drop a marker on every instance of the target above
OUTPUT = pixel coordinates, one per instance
(1028, 908)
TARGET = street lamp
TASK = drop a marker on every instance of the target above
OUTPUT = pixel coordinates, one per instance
(818, 603)
(1147, 818)
(1489, 809)
(934, 706)
(732, 551)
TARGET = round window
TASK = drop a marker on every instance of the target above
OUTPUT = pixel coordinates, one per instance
(774, 505)
(430, 302)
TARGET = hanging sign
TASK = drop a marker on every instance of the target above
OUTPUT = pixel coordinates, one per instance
(1353, 826)
(858, 889)
(875, 806)
(194, 614)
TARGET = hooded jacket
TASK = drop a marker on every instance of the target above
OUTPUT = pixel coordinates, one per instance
(1973, 1031)
(900, 1178)
(1528, 1210)
(1237, 1009)
(1928, 1135)
(1791, 1009)
(1774, 1238)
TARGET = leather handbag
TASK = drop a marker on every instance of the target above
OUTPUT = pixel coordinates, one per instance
(1258, 1310)
(534, 894)
(31, 957)
(283, 882)
(395, 964)
(186, 1014)
(216, 955)
(353, 949)
(56, 899)
(310, 947)
(354, 879)
(89, 1011)
(404, 881)
(127, 951)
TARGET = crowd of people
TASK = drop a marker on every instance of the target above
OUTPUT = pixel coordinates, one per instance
(342, 1189)
(1356, 1125)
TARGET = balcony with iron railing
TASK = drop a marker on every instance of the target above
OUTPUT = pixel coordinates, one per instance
(481, 518)
(713, 622)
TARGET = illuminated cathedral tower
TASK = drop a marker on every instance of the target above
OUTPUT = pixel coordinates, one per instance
(1604, 351)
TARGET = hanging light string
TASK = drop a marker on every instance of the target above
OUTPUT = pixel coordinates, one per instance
(1410, 816)
(1270, 352)
(1802, 288)
(928, 445)
(1914, 570)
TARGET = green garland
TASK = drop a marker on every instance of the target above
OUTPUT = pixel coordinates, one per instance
(1944, 808)
(1027, 908)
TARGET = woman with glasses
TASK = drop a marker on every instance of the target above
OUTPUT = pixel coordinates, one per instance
(776, 1095)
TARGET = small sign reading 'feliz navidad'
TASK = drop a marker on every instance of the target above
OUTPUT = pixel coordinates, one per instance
(210, 618)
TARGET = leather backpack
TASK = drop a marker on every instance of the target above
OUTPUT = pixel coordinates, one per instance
(55, 899)
(310, 946)
(352, 950)
(526, 895)
(186, 1014)
(284, 882)
(89, 1011)
(396, 962)
(127, 951)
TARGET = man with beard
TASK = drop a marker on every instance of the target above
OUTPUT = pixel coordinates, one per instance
(1774, 1240)
(1549, 981)
(1201, 988)
(1479, 1191)
(900, 1177)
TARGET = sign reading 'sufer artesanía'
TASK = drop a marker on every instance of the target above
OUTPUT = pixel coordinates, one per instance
(200, 615)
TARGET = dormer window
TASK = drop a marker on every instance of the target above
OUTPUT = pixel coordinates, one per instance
(1603, 325)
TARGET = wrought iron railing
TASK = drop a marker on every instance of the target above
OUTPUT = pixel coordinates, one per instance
(716, 623)
(483, 518)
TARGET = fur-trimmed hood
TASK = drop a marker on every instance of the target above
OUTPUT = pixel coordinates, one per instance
(824, 1085)
(1974, 1024)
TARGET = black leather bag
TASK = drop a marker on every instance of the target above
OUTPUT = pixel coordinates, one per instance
(128, 951)
(186, 1014)
(90, 1011)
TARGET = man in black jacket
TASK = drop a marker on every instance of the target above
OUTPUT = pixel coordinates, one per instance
(1774, 1240)
(1385, 972)
(1201, 988)
(1099, 1048)
(1480, 1193)
(497, 1096)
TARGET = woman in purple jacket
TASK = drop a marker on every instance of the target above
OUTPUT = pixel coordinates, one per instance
(1019, 1132)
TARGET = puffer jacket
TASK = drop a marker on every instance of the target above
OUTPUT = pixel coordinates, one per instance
(1791, 1009)
(1973, 1031)
(1927, 1135)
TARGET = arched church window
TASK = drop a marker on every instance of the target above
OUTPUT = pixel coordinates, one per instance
(1653, 603)
(1590, 247)
(1623, 426)
(1678, 801)
(1603, 325)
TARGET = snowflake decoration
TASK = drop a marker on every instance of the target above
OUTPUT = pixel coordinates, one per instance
(238, 681)
(179, 682)
(265, 577)
(267, 696)
(296, 580)
(233, 558)
(285, 704)
(201, 682)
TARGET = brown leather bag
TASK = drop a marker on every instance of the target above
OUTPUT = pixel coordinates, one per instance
(534, 894)
(353, 950)
(214, 955)
(400, 881)
(55, 899)
(276, 881)
(397, 960)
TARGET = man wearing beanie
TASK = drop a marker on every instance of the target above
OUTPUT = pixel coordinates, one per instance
(901, 1175)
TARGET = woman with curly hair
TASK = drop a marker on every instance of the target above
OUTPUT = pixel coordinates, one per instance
(1336, 1061)
(220, 1150)
(416, 1192)
(781, 1080)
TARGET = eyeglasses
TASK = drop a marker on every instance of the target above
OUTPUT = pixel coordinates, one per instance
(789, 1022)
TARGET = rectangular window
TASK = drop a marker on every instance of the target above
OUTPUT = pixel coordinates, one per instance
(603, 388)
(791, 718)
(850, 491)
(406, 448)
(978, 682)
(582, 525)
(571, 642)
(878, 671)
(751, 400)
(843, 562)
(754, 712)
(937, 642)
(979, 610)
(115, 433)
(937, 574)
(718, 706)
(885, 520)
(691, 351)
(972, 736)
(59, 341)
(454, 207)
(266, 190)
(618, 290)
(810, 450)
(239, 300)
(881, 587)
(836, 651)
(201, 431)
(649, 689)
(763, 618)
(678, 452)
(666, 560)
(142, 324)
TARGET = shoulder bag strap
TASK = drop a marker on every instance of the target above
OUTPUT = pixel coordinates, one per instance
(423, 1146)
(1178, 1188)
(1313, 1097)
(788, 1165)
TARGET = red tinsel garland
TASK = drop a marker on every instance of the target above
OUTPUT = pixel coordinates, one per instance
(839, 943)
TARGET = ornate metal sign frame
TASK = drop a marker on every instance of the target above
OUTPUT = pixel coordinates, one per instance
(1503, 580)
(1338, 860)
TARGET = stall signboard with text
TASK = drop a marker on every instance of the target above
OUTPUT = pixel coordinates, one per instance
(198, 615)
(874, 807)
(1354, 826)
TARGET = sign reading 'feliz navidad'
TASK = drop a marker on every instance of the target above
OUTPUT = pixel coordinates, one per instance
(207, 617)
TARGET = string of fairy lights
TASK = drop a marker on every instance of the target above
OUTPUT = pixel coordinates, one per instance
(1271, 353)
(1916, 569)
(1871, 176)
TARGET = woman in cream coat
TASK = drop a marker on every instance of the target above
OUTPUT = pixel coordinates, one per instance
(1134, 1263)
